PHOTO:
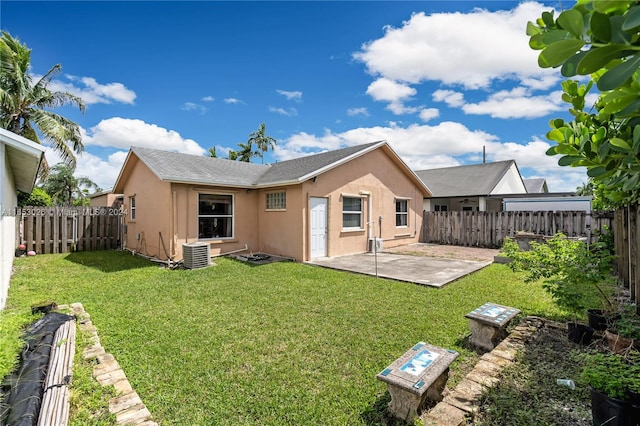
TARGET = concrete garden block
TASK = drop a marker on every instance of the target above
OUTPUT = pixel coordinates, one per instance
(420, 374)
(488, 324)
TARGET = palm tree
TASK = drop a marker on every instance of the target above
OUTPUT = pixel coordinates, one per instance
(262, 141)
(25, 103)
(212, 152)
(65, 189)
(246, 152)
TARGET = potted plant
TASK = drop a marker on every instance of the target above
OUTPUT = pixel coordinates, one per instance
(623, 334)
(612, 379)
(568, 268)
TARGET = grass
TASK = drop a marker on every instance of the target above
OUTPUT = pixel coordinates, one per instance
(283, 343)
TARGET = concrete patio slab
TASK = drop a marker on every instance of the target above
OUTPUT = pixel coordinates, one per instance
(429, 271)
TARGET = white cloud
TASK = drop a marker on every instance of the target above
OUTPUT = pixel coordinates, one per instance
(93, 92)
(516, 103)
(441, 145)
(233, 101)
(291, 112)
(428, 114)
(468, 49)
(351, 112)
(190, 106)
(208, 99)
(384, 89)
(103, 172)
(120, 132)
(449, 97)
(292, 96)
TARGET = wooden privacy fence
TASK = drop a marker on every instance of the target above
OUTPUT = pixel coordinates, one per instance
(627, 241)
(67, 229)
(488, 229)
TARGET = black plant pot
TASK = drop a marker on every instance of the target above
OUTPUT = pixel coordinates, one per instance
(597, 319)
(633, 419)
(609, 411)
(580, 333)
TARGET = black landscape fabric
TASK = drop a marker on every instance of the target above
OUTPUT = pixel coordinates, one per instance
(22, 390)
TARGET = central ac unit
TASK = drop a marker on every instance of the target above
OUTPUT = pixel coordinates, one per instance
(375, 244)
(196, 255)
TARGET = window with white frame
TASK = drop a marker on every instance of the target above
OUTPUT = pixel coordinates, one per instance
(351, 212)
(277, 200)
(440, 208)
(132, 208)
(215, 216)
(402, 212)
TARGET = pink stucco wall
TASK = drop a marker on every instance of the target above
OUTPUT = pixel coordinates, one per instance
(169, 210)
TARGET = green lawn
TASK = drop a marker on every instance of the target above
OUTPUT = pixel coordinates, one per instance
(283, 343)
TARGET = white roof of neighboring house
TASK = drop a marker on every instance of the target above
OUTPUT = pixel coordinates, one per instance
(24, 159)
(198, 169)
(467, 181)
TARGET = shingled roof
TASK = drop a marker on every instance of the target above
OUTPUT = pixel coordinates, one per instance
(535, 185)
(465, 181)
(197, 169)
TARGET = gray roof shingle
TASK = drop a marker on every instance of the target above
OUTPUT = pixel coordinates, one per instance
(535, 185)
(463, 181)
(187, 168)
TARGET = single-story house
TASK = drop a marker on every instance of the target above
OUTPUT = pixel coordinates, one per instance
(327, 204)
(20, 159)
(475, 187)
(106, 199)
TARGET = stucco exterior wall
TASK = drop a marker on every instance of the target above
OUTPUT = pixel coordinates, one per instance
(245, 218)
(153, 208)
(107, 199)
(376, 174)
(281, 232)
(8, 200)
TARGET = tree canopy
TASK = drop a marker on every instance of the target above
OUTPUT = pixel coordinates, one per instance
(601, 40)
(26, 102)
(262, 141)
(65, 189)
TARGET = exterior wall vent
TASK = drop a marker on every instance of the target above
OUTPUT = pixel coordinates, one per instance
(196, 255)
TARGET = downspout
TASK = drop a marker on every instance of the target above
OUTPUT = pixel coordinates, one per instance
(369, 215)
(174, 223)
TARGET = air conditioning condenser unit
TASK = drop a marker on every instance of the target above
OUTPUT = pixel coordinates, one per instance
(196, 255)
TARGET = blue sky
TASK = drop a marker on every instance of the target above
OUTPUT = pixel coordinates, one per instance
(437, 79)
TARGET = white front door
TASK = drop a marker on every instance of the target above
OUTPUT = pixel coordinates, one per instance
(318, 225)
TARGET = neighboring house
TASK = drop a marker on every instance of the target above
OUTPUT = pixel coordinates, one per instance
(536, 185)
(327, 204)
(106, 199)
(476, 187)
(20, 159)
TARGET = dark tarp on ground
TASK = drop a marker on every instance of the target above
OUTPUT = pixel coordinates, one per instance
(22, 390)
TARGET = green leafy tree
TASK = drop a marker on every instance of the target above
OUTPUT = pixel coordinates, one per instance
(246, 152)
(211, 152)
(37, 198)
(65, 189)
(262, 141)
(26, 102)
(599, 39)
(233, 155)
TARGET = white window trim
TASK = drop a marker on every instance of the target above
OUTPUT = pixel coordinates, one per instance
(395, 201)
(132, 209)
(277, 209)
(353, 228)
(232, 216)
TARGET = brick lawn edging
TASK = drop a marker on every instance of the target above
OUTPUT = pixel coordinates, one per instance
(463, 402)
(127, 405)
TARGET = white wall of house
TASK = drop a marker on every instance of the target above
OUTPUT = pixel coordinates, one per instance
(511, 183)
(19, 163)
(8, 197)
